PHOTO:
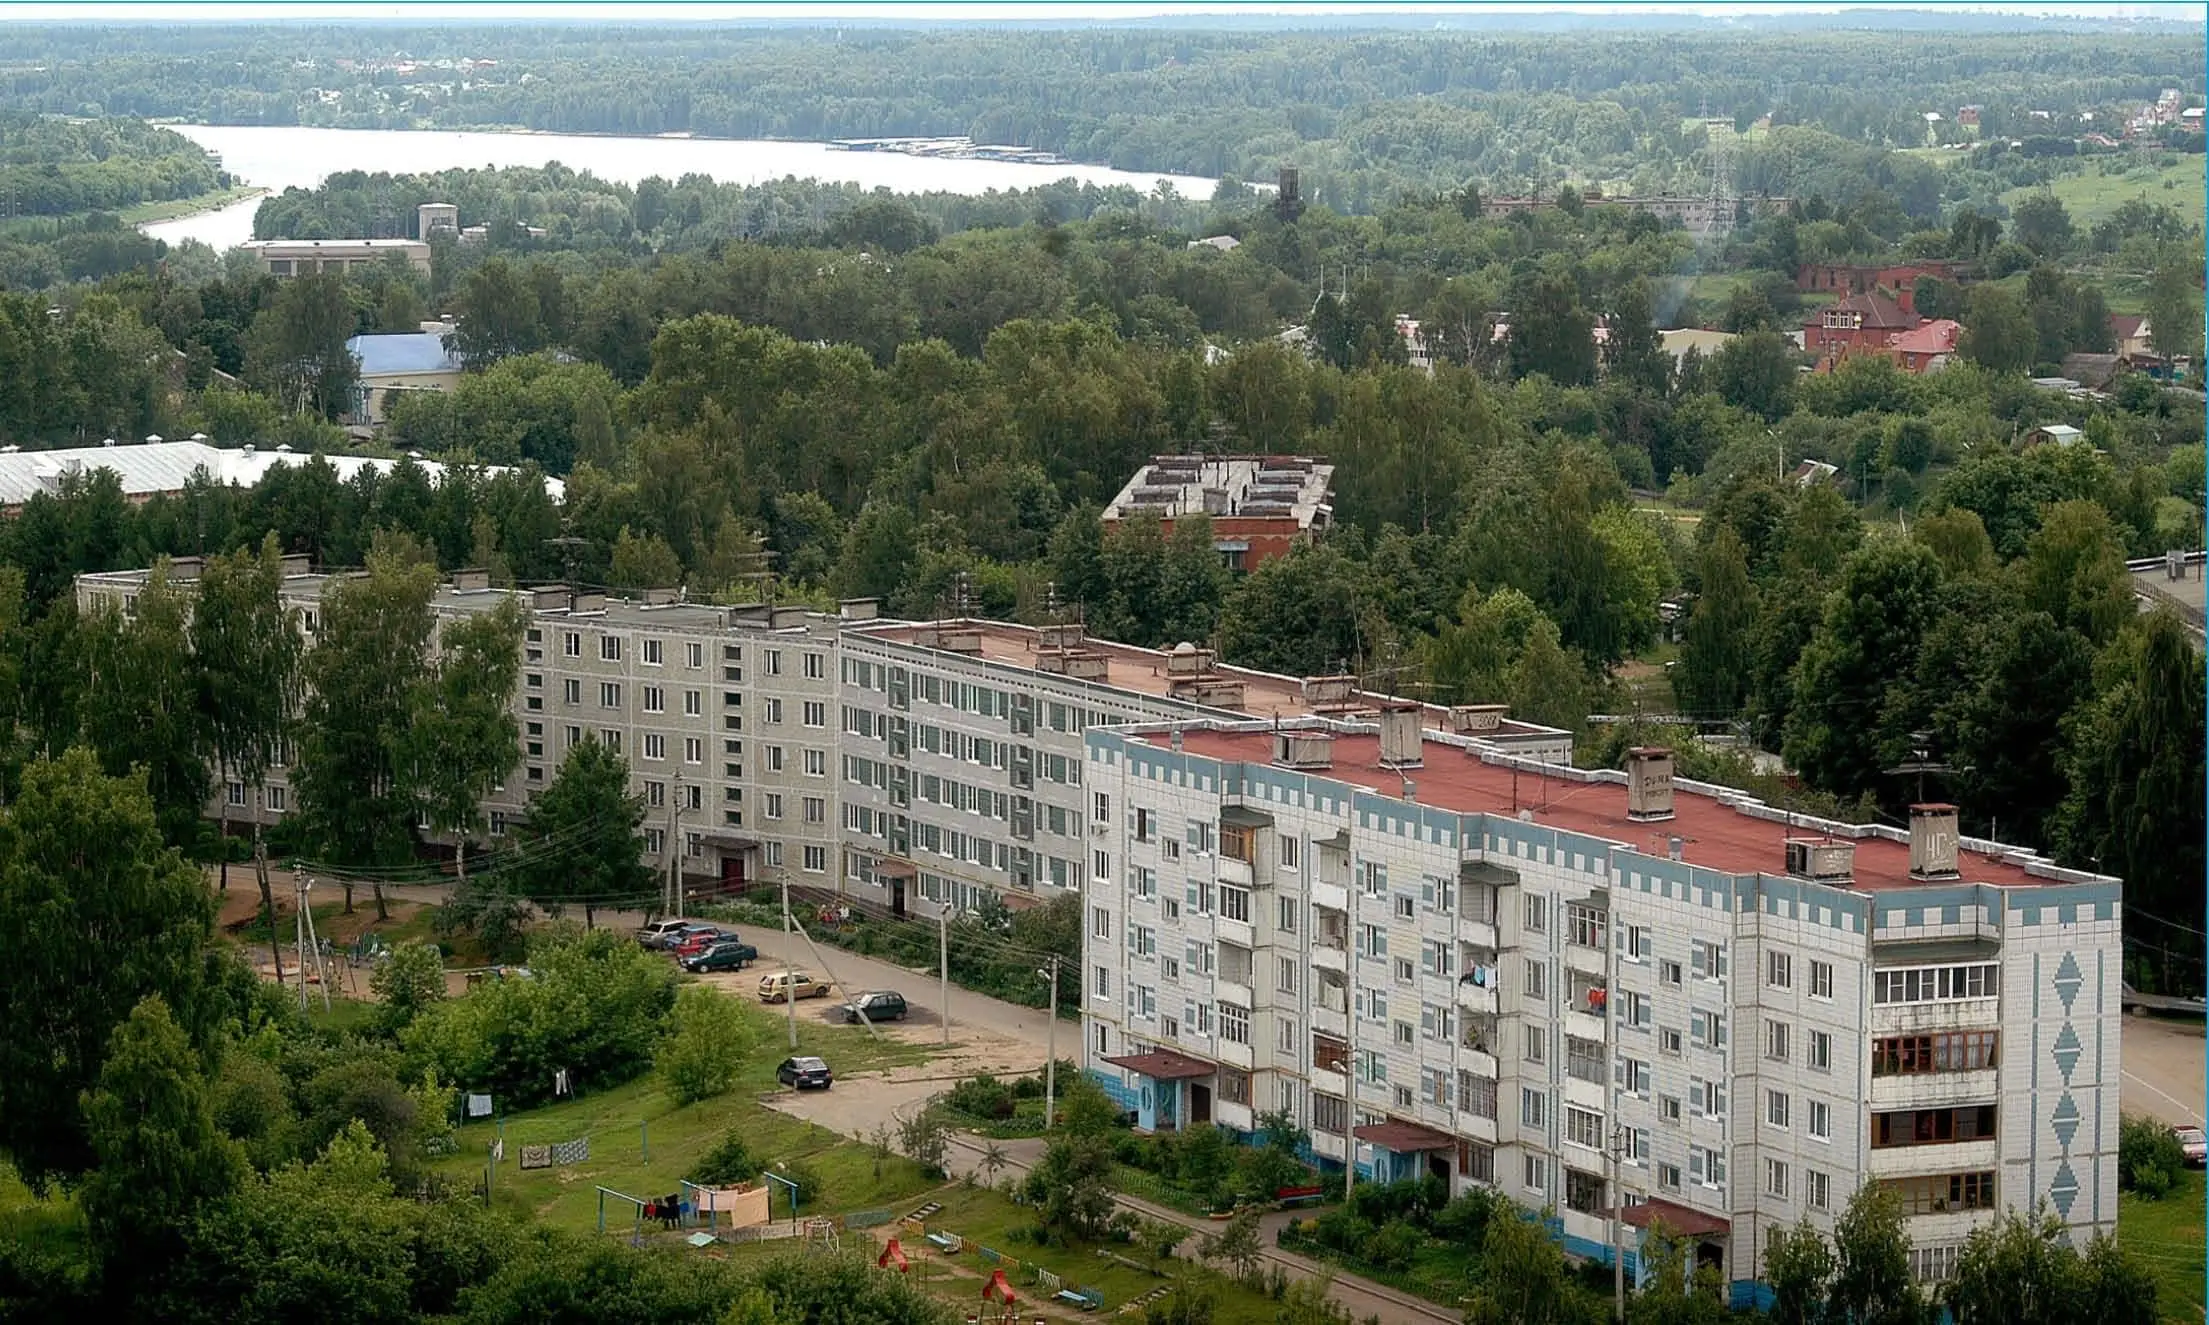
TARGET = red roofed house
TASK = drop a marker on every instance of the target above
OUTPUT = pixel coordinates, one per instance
(2129, 332)
(1861, 322)
(1925, 347)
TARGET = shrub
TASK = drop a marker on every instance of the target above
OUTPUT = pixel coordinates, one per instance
(807, 1178)
(730, 1161)
(705, 1045)
(1394, 1246)
(1465, 1220)
(2149, 1160)
(982, 1096)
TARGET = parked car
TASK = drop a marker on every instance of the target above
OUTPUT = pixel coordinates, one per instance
(694, 943)
(727, 955)
(879, 1005)
(2195, 1144)
(775, 987)
(802, 1073)
(675, 940)
(656, 934)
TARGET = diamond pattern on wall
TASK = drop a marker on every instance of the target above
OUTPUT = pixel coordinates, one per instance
(2068, 980)
(2065, 1189)
(2067, 1051)
(2065, 1120)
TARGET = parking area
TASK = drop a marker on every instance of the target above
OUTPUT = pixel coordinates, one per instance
(2163, 1066)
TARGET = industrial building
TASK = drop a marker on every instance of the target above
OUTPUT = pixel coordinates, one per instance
(1260, 506)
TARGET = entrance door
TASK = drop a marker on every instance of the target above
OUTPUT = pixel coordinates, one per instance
(732, 872)
(1438, 1164)
(1200, 1103)
(897, 898)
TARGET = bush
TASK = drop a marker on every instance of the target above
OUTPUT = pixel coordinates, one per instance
(1395, 1246)
(730, 1161)
(2149, 1160)
(807, 1178)
(705, 1046)
(982, 1096)
(1465, 1220)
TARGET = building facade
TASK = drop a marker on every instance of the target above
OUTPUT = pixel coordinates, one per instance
(306, 257)
(1260, 506)
(1596, 993)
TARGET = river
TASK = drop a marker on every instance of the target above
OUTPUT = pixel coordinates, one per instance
(281, 157)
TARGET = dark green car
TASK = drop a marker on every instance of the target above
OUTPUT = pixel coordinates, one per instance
(722, 957)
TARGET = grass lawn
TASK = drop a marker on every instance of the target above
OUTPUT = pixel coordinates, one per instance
(2167, 1237)
(2092, 196)
(206, 202)
(643, 1143)
(982, 1216)
(53, 1224)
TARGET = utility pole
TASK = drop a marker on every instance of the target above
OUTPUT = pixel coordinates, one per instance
(1050, 1046)
(789, 977)
(303, 926)
(943, 965)
(674, 853)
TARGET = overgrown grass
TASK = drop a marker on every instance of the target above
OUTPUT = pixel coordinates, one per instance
(51, 1224)
(147, 212)
(2093, 195)
(2166, 1236)
(644, 1144)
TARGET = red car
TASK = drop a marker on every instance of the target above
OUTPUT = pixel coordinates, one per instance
(699, 942)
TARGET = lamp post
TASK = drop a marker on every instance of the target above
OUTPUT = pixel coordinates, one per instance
(1050, 1044)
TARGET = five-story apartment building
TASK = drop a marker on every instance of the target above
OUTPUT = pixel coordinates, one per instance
(1610, 996)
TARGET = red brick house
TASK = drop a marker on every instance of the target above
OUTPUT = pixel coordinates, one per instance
(1855, 325)
(1919, 349)
(1898, 280)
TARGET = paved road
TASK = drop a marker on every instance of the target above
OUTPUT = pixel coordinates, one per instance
(2163, 1064)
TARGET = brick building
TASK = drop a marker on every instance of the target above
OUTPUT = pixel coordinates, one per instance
(1260, 505)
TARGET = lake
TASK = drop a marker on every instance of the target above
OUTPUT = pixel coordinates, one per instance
(281, 157)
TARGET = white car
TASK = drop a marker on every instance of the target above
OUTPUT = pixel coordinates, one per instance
(2195, 1144)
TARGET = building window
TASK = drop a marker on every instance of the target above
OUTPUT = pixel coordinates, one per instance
(816, 713)
(1775, 1041)
(816, 763)
(1288, 851)
(1820, 1051)
(1821, 979)
(1584, 926)
(1779, 970)
(1668, 1177)
(816, 809)
(694, 750)
(1536, 981)
(1821, 1121)
(655, 700)
(1935, 984)
(1235, 1024)
(1935, 1264)
(1709, 961)
(1100, 923)
(655, 746)
(1668, 1040)
(1537, 915)
(816, 860)
(1584, 1128)
(236, 793)
(278, 800)
(1776, 1108)
(774, 662)
(1287, 920)
(655, 794)
(1477, 1095)
(1535, 1044)
(609, 695)
(1817, 1189)
(1585, 1060)
(772, 806)
(1537, 1173)
(815, 669)
(1925, 1127)
(609, 648)
(1945, 1051)
(651, 653)
(1669, 972)
(571, 644)
(1939, 1193)
(1775, 1179)
(1668, 1109)
(571, 691)
(694, 656)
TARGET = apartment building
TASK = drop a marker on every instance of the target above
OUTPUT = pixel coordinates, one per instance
(722, 713)
(1601, 994)
(962, 763)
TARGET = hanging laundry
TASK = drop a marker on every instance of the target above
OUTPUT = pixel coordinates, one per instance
(536, 1157)
(572, 1152)
(479, 1106)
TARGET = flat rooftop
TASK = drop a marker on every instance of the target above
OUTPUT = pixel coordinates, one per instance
(1144, 671)
(1716, 836)
(1250, 487)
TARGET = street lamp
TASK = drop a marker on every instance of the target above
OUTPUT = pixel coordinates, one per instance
(1050, 1043)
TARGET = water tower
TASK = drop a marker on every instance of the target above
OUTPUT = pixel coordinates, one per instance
(432, 217)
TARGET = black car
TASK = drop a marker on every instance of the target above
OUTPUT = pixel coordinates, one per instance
(881, 1005)
(727, 955)
(802, 1073)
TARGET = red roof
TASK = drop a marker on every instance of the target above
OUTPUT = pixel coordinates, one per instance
(1880, 312)
(1165, 1065)
(1714, 835)
(2124, 326)
(1405, 1138)
(1683, 1220)
(1935, 337)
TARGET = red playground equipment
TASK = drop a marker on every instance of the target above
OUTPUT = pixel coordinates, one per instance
(892, 1255)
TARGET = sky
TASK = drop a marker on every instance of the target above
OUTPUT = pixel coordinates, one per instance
(1000, 10)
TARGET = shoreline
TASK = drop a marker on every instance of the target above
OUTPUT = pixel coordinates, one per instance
(200, 206)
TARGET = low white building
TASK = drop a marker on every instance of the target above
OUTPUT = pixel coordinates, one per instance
(1597, 993)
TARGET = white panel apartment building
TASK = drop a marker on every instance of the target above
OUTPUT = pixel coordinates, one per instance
(1506, 974)
(962, 759)
(887, 760)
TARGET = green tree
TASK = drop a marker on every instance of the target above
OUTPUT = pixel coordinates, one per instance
(499, 314)
(100, 915)
(1799, 1266)
(1634, 353)
(247, 648)
(1998, 331)
(465, 742)
(139, 701)
(1756, 372)
(2004, 731)
(705, 1047)
(160, 1158)
(2173, 310)
(1070, 1188)
(2041, 223)
(1678, 1293)
(1869, 637)
(1872, 1283)
(581, 842)
(2022, 1270)
(1549, 683)
(1236, 1245)
(644, 563)
(1551, 334)
(357, 778)
(1717, 658)
(1524, 1279)
(406, 983)
(296, 351)
(2132, 760)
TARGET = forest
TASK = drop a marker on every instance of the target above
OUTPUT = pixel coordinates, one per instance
(1364, 115)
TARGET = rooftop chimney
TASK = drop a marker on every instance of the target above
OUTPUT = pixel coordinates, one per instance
(1304, 749)
(1648, 783)
(1933, 841)
(1820, 859)
(1401, 737)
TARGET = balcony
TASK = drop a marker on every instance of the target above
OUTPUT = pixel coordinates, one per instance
(1479, 933)
(1327, 1145)
(1966, 1014)
(1234, 1055)
(1586, 1025)
(1236, 1116)
(1934, 1090)
(1476, 1126)
(1331, 953)
(1234, 871)
(1480, 998)
(1587, 1094)
(1237, 932)
(1934, 1157)
(1330, 1021)
(1237, 992)
(1331, 1082)
(1331, 897)
(1587, 961)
